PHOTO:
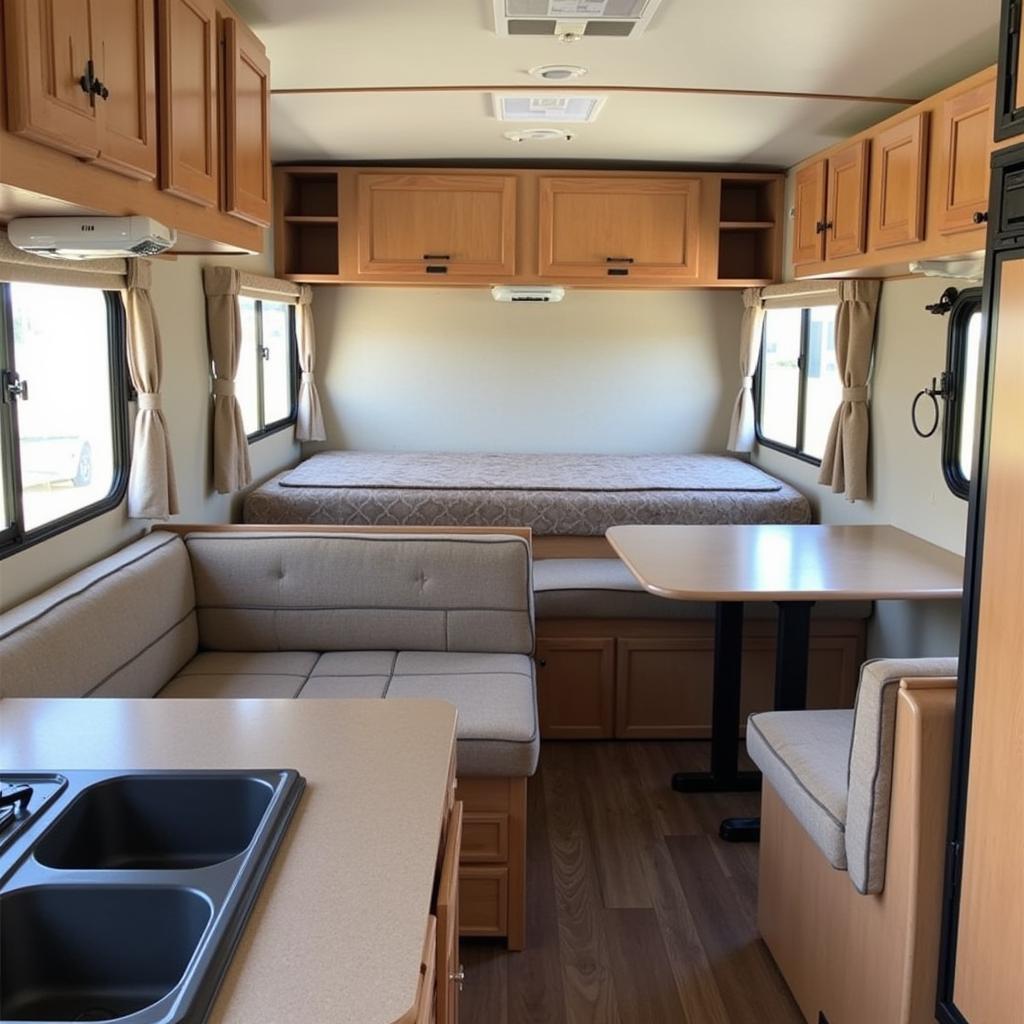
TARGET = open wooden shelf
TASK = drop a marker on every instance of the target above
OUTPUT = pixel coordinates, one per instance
(748, 232)
(308, 224)
(746, 225)
(310, 220)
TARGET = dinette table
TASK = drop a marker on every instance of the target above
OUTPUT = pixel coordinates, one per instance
(793, 566)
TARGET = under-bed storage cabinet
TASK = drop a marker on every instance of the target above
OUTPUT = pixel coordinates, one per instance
(658, 682)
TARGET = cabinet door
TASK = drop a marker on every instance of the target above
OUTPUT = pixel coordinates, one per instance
(965, 145)
(48, 48)
(619, 229)
(414, 225)
(246, 124)
(847, 190)
(124, 54)
(899, 166)
(449, 970)
(1010, 87)
(809, 215)
(188, 100)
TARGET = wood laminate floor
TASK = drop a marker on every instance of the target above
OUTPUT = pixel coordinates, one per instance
(637, 913)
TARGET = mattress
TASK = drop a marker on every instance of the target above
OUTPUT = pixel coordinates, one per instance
(579, 495)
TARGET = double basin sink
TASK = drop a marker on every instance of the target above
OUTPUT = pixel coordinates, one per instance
(123, 896)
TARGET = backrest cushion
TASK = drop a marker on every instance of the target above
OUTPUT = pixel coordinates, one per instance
(871, 759)
(337, 592)
(120, 628)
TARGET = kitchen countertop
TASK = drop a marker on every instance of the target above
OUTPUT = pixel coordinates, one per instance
(337, 934)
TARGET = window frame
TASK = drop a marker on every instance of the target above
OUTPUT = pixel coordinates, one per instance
(767, 442)
(16, 538)
(266, 429)
(967, 303)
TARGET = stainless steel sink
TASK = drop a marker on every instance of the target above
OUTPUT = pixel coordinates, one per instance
(124, 895)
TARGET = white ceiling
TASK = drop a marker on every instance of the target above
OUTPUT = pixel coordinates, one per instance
(901, 48)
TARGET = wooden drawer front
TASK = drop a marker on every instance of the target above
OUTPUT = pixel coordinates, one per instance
(619, 228)
(809, 204)
(665, 685)
(448, 910)
(428, 975)
(965, 146)
(576, 687)
(484, 838)
(899, 163)
(846, 227)
(436, 225)
(484, 900)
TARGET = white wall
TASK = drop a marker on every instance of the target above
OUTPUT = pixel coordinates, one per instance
(451, 369)
(905, 475)
(180, 308)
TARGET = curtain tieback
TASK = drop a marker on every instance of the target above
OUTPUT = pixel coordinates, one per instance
(307, 377)
(148, 400)
(748, 383)
(859, 394)
(223, 388)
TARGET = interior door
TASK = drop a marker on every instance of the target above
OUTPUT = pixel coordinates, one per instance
(415, 225)
(124, 54)
(847, 190)
(49, 46)
(246, 117)
(965, 147)
(619, 228)
(188, 100)
(449, 980)
(809, 216)
(899, 163)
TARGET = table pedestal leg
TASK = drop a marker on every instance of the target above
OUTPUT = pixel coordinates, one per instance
(725, 712)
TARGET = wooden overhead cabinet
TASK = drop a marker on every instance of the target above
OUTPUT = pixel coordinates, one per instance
(965, 146)
(809, 215)
(188, 100)
(846, 204)
(421, 226)
(644, 229)
(81, 78)
(899, 181)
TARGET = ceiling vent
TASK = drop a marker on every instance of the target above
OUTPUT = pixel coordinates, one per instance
(539, 135)
(547, 108)
(570, 20)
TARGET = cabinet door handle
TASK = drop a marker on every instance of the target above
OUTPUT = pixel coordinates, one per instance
(459, 976)
(619, 259)
(822, 226)
(436, 256)
(980, 217)
(91, 84)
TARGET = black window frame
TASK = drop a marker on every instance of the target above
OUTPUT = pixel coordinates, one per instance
(16, 538)
(967, 303)
(767, 442)
(266, 429)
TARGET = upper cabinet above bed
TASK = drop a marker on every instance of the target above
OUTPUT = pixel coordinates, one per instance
(600, 229)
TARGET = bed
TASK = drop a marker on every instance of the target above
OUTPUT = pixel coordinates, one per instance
(554, 495)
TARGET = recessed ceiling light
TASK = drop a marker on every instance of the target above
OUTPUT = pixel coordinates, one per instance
(549, 107)
(539, 135)
(558, 72)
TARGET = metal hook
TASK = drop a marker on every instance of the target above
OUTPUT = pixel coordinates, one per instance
(941, 387)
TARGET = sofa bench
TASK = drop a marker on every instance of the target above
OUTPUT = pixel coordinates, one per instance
(615, 660)
(314, 615)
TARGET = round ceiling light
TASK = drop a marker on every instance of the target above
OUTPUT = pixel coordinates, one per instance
(539, 135)
(558, 72)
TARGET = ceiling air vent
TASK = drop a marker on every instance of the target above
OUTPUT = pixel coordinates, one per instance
(573, 19)
(581, 109)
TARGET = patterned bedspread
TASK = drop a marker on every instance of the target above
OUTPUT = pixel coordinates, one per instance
(552, 494)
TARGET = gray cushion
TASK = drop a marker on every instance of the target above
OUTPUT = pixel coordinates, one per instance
(249, 674)
(119, 628)
(347, 674)
(334, 592)
(803, 755)
(604, 588)
(871, 760)
(496, 699)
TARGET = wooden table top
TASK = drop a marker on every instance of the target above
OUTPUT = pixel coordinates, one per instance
(787, 563)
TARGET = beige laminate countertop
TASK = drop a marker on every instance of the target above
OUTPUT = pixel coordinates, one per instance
(787, 563)
(337, 934)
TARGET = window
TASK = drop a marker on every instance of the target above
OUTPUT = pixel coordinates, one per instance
(962, 383)
(266, 380)
(798, 383)
(63, 415)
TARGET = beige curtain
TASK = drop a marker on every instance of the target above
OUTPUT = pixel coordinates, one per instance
(152, 492)
(309, 422)
(231, 469)
(742, 434)
(845, 463)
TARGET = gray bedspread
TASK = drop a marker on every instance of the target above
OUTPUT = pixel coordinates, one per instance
(552, 494)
